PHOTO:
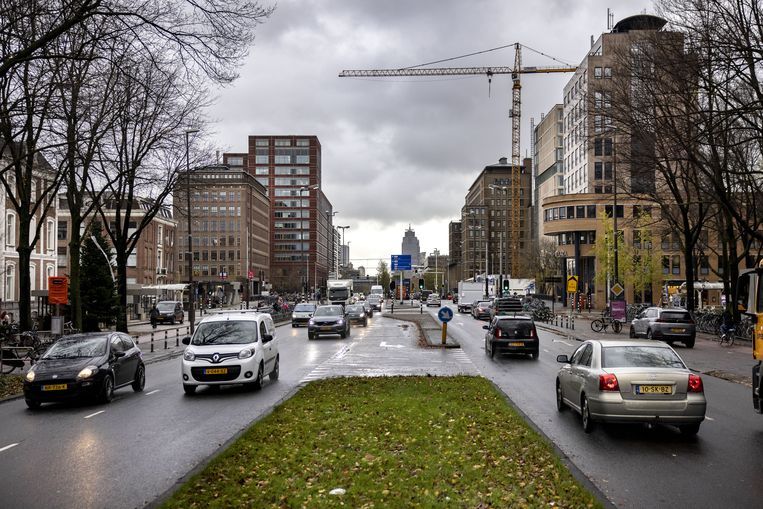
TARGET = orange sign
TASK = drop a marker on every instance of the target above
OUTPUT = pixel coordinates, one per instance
(58, 290)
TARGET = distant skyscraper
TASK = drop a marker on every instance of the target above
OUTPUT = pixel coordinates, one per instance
(411, 245)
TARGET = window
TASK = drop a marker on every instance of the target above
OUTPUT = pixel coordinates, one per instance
(665, 265)
(580, 211)
(597, 147)
(676, 262)
(50, 242)
(261, 142)
(63, 230)
(591, 211)
(607, 72)
(302, 142)
(10, 230)
(597, 173)
(704, 265)
(10, 283)
(608, 170)
(597, 123)
(597, 189)
(280, 142)
(597, 73)
(598, 100)
(262, 170)
(607, 146)
(570, 212)
(720, 266)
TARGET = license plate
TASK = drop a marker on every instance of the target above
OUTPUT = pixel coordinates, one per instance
(216, 371)
(677, 329)
(654, 389)
(516, 343)
(329, 327)
(54, 387)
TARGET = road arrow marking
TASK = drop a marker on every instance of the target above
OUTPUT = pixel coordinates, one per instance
(384, 344)
(152, 392)
(94, 414)
(8, 447)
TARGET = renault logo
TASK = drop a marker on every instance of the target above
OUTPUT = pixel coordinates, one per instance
(216, 358)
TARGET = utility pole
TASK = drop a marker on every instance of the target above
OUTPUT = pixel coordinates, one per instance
(191, 285)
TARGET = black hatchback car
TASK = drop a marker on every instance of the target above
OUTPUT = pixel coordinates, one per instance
(356, 313)
(511, 334)
(328, 320)
(85, 366)
(170, 311)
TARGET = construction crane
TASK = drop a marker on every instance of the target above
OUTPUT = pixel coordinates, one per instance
(515, 114)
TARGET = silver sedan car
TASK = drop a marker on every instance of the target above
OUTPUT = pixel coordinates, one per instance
(630, 381)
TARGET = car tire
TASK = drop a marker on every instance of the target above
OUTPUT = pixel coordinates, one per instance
(259, 381)
(276, 370)
(585, 413)
(689, 430)
(107, 390)
(139, 382)
(535, 355)
(560, 406)
(492, 350)
(365, 323)
(632, 332)
(32, 404)
(690, 342)
(487, 351)
(649, 334)
(172, 321)
(189, 390)
(293, 325)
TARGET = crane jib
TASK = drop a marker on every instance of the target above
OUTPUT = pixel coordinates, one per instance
(447, 71)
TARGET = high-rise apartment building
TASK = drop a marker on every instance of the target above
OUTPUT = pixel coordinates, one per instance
(455, 260)
(410, 246)
(301, 229)
(485, 220)
(548, 160)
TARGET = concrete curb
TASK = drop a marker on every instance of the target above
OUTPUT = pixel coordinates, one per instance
(430, 332)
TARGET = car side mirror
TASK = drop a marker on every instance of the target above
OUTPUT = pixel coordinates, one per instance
(119, 355)
(266, 338)
(186, 340)
(485, 327)
(563, 359)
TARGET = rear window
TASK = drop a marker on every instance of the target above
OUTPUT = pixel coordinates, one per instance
(304, 307)
(675, 316)
(166, 306)
(639, 357)
(516, 328)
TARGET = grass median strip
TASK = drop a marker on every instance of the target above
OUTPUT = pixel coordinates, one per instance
(388, 442)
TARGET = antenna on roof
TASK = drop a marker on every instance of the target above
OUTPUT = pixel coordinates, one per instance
(610, 19)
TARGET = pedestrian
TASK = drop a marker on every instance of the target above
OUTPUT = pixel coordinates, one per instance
(153, 316)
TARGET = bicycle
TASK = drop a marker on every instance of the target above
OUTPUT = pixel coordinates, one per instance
(11, 357)
(602, 324)
(728, 336)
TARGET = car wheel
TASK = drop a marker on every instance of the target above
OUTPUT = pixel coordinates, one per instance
(492, 350)
(33, 404)
(276, 370)
(172, 321)
(649, 334)
(632, 333)
(343, 334)
(535, 355)
(140, 379)
(107, 390)
(293, 325)
(560, 406)
(365, 323)
(689, 342)
(258, 382)
(310, 335)
(487, 350)
(190, 390)
(689, 429)
(586, 414)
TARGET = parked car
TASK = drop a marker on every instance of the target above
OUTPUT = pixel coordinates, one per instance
(302, 313)
(630, 381)
(481, 309)
(667, 324)
(85, 366)
(433, 300)
(233, 347)
(328, 320)
(356, 313)
(170, 311)
(511, 334)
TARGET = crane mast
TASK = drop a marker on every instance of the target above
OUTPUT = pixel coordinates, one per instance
(516, 115)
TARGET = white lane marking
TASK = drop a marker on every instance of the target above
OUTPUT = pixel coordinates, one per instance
(94, 414)
(706, 417)
(152, 392)
(561, 341)
(8, 447)
(545, 350)
(384, 344)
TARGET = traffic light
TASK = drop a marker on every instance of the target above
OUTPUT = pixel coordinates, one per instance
(392, 285)
(505, 286)
(421, 284)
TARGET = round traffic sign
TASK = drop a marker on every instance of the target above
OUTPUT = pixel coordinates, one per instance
(445, 314)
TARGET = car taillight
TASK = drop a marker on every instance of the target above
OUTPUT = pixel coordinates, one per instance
(695, 383)
(608, 382)
(497, 332)
(533, 333)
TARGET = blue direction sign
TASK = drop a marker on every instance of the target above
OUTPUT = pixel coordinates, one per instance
(445, 314)
(401, 262)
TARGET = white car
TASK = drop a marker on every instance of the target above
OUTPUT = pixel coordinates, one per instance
(433, 300)
(232, 347)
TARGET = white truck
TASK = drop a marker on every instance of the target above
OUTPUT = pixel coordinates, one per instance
(339, 291)
(469, 292)
(377, 289)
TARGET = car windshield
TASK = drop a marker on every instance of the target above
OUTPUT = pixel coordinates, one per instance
(71, 347)
(329, 311)
(165, 306)
(304, 307)
(355, 308)
(225, 333)
(640, 357)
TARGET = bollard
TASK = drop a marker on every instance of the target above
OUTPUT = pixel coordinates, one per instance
(177, 336)
(573, 323)
(165, 339)
(152, 342)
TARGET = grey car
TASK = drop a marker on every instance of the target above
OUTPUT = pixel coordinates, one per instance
(170, 311)
(328, 320)
(356, 313)
(630, 381)
(666, 324)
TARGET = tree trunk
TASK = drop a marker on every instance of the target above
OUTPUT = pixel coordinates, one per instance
(122, 292)
(75, 297)
(25, 293)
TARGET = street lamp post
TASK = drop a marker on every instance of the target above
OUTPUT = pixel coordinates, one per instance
(341, 248)
(559, 255)
(191, 284)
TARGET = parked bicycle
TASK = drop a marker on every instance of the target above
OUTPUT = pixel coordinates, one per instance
(603, 323)
(14, 356)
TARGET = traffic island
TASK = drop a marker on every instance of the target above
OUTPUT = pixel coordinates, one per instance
(430, 330)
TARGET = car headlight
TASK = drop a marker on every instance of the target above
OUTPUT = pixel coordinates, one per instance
(340, 321)
(311, 322)
(293, 316)
(246, 353)
(87, 372)
(30, 375)
(189, 355)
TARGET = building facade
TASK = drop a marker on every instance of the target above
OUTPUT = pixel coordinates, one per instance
(455, 260)
(485, 217)
(548, 162)
(410, 246)
(300, 216)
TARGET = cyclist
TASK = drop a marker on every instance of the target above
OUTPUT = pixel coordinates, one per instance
(727, 322)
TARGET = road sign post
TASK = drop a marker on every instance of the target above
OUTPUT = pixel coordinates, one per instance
(445, 314)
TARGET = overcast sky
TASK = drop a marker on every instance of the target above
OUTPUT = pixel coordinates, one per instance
(403, 150)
